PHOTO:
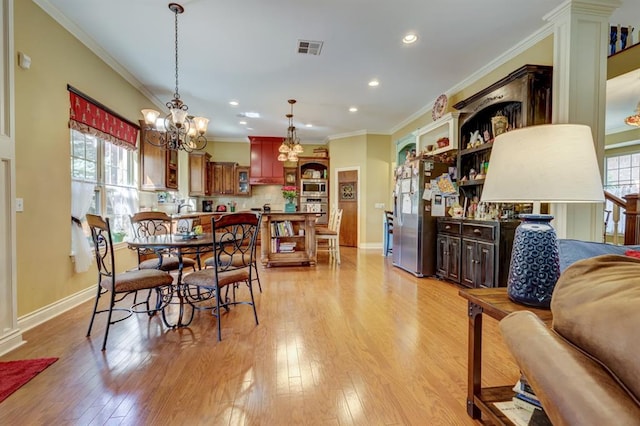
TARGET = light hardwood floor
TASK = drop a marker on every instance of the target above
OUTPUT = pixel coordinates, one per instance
(362, 343)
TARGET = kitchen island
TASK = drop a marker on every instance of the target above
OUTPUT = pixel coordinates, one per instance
(288, 238)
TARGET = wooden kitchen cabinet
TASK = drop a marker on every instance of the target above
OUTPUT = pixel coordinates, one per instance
(265, 167)
(158, 166)
(224, 178)
(199, 174)
(243, 185)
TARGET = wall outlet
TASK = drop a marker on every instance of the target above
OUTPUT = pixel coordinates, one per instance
(19, 205)
(379, 205)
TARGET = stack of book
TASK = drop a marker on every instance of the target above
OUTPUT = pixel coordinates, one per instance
(525, 397)
(286, 247)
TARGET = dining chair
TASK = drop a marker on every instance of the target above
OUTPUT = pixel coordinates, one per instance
(121, 285)
(234, 250)
(331, 235)
(238, 262)
(145, 224)
(388, 236)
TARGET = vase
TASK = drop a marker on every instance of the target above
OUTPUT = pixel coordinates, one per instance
(535, 264)
(290, 206)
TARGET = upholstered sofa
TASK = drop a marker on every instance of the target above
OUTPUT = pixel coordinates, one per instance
(585, 369)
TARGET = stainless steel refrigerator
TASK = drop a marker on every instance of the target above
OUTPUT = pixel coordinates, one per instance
(414, 227)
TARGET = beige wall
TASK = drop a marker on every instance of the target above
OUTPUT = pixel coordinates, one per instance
(370, 154)
(44, 268)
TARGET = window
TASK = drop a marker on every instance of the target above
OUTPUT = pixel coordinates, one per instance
(113, 170)
(622, 177)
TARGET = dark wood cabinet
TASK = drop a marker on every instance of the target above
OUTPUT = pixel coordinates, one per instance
(199, 174)
(223, 178)
(448, 250)
(474, 253)
(158, 166)
(265, 167)
(478, 255)
(522, 98)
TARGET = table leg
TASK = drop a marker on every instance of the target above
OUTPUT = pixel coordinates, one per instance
(475, 358)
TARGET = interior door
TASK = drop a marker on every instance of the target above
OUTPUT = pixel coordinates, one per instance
(348, 202)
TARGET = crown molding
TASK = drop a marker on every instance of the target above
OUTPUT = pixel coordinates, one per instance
(93, 46)
(513, 52)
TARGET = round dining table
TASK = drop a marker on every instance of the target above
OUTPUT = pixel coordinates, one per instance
(178, 245)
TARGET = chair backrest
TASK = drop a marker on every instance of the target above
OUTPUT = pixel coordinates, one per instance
(102, 244)
(234, 240)
(337, 220)
(150, 223)
(388, 215)
(145, 224)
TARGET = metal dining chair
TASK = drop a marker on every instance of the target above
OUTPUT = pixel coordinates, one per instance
(234, 249)
(121, 285)
(156, 223)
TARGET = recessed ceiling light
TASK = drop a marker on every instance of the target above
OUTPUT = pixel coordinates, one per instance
(308, 125)
(409, 38)
(234, 103)
(242, 122)
(353, 109)
(249, 115)
(374, 83)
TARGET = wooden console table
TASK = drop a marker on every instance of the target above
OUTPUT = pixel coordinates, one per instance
(496, 304)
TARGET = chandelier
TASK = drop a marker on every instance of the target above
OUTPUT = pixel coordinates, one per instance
(634, 120)
(290, 147)
(177, 130)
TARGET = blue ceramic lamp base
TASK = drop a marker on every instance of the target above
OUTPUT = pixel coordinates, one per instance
(535, 264)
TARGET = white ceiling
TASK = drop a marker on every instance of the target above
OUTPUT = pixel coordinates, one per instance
(246, 51)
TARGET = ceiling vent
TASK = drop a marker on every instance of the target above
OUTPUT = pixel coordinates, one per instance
(308, 47)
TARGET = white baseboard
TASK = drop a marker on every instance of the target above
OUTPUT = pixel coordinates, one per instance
(11, 341)
(48, 312)
(367, 246)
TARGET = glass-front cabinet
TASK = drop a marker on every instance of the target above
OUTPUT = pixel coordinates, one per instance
(242, 181)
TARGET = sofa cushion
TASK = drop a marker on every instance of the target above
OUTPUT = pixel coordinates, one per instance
(595, 306)
(570, 251)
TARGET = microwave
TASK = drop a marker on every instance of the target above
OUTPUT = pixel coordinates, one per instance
(314, 187)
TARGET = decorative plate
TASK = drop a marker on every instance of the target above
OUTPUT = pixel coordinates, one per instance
(439, 106)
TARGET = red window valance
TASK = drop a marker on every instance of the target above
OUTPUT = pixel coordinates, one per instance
(90, 117)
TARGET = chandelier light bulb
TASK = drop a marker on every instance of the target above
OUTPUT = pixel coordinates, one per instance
(201, 124)
(150, 116)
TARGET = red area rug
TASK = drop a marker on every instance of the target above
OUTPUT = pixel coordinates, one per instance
(14, 374)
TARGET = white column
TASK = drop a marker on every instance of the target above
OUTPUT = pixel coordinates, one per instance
(581, 39)
(10, 334)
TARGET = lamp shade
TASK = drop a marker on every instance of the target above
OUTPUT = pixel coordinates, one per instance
(553, 163)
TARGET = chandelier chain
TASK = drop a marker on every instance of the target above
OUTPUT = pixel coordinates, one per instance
(176, 95)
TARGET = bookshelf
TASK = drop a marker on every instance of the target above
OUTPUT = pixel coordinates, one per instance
(288, 239)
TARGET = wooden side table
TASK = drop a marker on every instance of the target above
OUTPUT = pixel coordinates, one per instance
(496, 304)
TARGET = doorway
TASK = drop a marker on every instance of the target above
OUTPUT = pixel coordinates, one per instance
(347, 196)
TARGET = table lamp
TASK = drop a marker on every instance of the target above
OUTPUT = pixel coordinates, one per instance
(554, 163)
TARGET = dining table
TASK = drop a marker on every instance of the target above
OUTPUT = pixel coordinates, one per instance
(178, 245)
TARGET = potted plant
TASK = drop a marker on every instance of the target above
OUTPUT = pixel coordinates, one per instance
(290, 193)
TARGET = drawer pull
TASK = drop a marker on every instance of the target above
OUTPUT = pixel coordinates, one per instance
(477, 231)
(447, 227)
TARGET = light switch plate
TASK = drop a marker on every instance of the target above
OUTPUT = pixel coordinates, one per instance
(19, 204)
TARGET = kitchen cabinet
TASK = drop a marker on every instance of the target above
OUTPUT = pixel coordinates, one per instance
(199, 174)
(158, 166)
(243, 186)
(265, 167)
(440, 136)
(223, 178)
(448, 249)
